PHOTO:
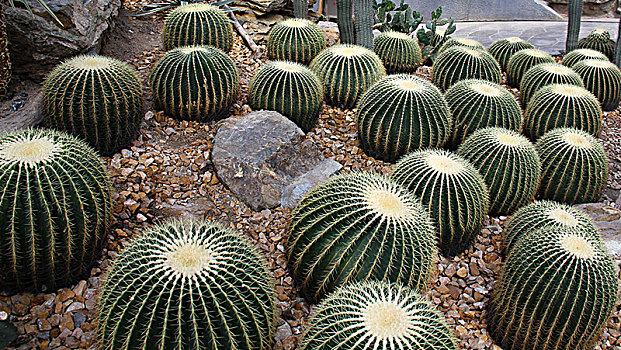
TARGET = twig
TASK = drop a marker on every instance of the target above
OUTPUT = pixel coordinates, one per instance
(243, 33)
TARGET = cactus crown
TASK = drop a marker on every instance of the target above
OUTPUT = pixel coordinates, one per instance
(599, 35)
(486, 89)
(350, 51)
(569, 90)
(198, 7)
(461, 42)
(443, 163)
(577, 140)
(295, 22)
(89, 62)
(29, 149)
(397, 35)
(578, 55)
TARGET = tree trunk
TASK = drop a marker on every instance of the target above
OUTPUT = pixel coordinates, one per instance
(573, 27)
(5, 61)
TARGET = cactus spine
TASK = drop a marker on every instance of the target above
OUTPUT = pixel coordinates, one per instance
(599, 40)
(546, 74)
(580, 55)
(461, 42)
(399, 52)
(459, 63)
(197, 24)
(296, 40)
(522, 61)
(603, 79)
(503, 49)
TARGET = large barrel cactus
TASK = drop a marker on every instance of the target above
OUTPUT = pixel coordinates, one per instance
(346, 72)
(360, 226)
(546, 74)
(376, 315)
(503, 49)
(477, 104)
(461, 63)
(599, 40)
(461, 42)
(195, 83)
(290, 89)
(603, 79)
(54, 209)
(297, 40)
(522, 61)
(187, 285)
(96, 98)
(556, 292)
(197, 24)
(578, 55)
(574, 166)
(399, 52)
(453, 191)
(402, 113)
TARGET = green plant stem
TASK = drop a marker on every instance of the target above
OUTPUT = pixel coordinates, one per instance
(364, 23)
(618, 47)
(300, 8)
(573, 27)
(346, 24)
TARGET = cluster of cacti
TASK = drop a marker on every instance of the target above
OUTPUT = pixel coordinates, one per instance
(546, 74)
(503, 49)
(290, 89)
(297, 40)
(197, 24)
(96, 98)
(356, 227)
(574, 166)
(461, 63)
(556, 291)
(55, 209)
(580, 55)
(477, 104)
(461, 42)
(522, 61)
(603, 79)
(453, 191)
(399, 52)
(376, 315)
(195, 83)
(346, 72)
(559, 105)
(399, 114)
(187, 285)
(599, 40)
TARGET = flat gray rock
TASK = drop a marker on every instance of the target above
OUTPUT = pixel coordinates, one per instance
(608, 220)
(487, 10)
(292, 194)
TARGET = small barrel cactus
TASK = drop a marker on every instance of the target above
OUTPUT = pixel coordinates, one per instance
(346, 72)
(546, 74)
(508, 162)
(399, 52)
(296, 40)
(360, 226)
(195, 83)
(55, 209)
(399, 114)
(461, 42)
(377, 315)
(578, 55)
(603, 79)
(557, 106)
(523, 60)
(503, 49)
(197, 24)
(557, 291)
(574, 166)
(438, 178)
(187, 285)
(290, 89)
(599, 40)
(461, 63)
(96, 98)
(477, 104)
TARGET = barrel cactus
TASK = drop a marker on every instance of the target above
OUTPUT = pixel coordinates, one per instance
(559, 105)
(574, 166)
(55, 209)
(578, 55)
(557, 290)
(197, 24)
(546, 74)
(453, 191)
(461, 42)
(522, 61)
(599, 40)
(346, 72)
(195, 83)
(290, 89)
(503, 49)
(360, 226)
(377, 315)
(461, 63)
(477, 104)
(297, 40)
(187, 285)
(603, 79)
(399, 114)
(96, 98)
(399, 52)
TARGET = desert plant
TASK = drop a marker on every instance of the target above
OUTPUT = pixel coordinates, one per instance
(603, 79)
(573, 24)
(580, 55)
(187, 285)
(523, 60)
(618, 46)
(546, 74)
(460, 63)
(96, 98)
(399, 114)
(429, 34)
(359, 32)
(55, 209)
(503, 49)
(297, 40)
(360, 226)
(461, 42)
(197, 24)
(300, 8)
(438, 178)
(399, 52)
(599, 40)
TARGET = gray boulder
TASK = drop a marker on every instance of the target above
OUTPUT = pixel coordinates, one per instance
(608, 220)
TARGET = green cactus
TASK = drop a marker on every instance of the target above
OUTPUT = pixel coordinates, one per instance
(195, 83)
(477, 104)
(197, 24)
(345, 12)
(557, 106)
(399, 52)
(503, 49)
(603, 79)
(453, 191)
(187, 285)
(377, 315)
(360, 226)
(55, 209)
(546, 74)
(574, 166)
(290, 89)
(461, 63)
(439, 38)
(461, 42)
(580, 55)
(399, 114)
(522, 61)
(300, 9)
(574, 15)
(297, 40)
(599, 40)
(95, 98)
(360, 31)
(557, 291)
(346, 72)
